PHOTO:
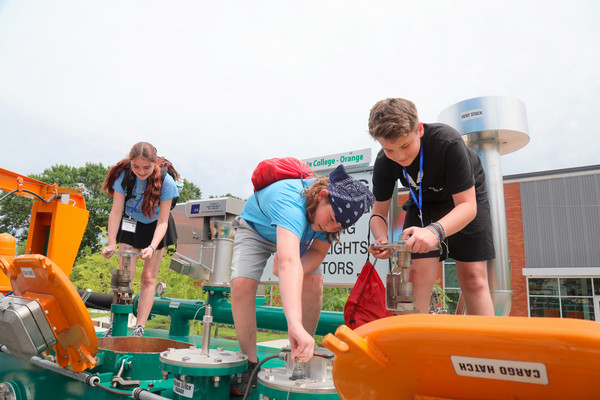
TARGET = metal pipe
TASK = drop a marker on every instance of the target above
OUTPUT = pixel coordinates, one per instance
(89, 379)
(492, 126)
(207, 322)
(182, 311)
(143, 394)
(499, 268)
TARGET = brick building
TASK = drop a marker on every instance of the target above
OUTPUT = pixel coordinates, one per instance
(553, 224)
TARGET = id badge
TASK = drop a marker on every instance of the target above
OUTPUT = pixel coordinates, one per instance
(128, 224)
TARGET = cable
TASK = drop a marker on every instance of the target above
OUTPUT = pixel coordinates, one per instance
(255, 373)
(30, 192)
(194, 320)
(111, 390)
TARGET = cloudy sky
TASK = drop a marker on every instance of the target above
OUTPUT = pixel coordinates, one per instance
(217, 86)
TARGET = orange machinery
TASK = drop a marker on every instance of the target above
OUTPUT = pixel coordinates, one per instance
(45, 310)
(426, 356)
(58, 221)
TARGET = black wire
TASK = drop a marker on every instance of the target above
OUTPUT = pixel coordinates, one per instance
(255, 372)
(30, 192)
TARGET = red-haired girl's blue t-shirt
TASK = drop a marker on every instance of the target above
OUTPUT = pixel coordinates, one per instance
(133, 206)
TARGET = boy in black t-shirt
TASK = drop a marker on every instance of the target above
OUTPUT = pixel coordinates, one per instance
(447, 208)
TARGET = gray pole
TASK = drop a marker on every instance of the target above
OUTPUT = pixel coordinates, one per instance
(492, 126)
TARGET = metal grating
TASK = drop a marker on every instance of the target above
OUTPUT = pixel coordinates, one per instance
(561, 221)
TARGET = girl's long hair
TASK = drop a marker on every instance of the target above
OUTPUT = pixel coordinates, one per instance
(147, 152)
(311, 194)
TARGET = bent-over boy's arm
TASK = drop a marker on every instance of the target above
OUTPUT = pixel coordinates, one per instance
(314, 256)
(290, 285)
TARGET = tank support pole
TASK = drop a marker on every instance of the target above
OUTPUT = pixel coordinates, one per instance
(499, 268)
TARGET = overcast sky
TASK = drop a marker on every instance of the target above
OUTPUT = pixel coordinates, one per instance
(218, 86)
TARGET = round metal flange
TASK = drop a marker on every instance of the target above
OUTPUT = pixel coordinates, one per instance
(192, 362)
(495, 119)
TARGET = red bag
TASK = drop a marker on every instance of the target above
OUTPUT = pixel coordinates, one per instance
(276, 169)
(366, 302)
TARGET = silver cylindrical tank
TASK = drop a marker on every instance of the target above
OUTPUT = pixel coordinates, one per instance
(492, 126)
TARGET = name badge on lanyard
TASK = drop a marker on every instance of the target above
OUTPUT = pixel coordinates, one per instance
(128, 224)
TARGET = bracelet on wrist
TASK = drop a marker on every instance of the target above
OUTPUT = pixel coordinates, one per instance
(440, 229)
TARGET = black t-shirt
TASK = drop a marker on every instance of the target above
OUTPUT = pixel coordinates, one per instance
(449, 167)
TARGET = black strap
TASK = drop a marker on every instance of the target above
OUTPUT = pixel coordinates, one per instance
(362, 290)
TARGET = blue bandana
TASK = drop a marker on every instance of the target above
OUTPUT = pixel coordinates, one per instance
(350, 199)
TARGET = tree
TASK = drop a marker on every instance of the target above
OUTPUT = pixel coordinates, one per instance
(15, 211)
(89, 178)
(189, 192)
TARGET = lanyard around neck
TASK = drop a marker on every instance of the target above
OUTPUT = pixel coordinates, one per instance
(419, 201)
(140, 199)
(304, 245)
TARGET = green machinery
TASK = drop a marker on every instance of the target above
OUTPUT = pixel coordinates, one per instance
(164, 364)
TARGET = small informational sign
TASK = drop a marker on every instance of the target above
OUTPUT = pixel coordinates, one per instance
(349, 159)
(208, 208)
(28, 272)
(505, 370)
(183, 388)
(471, 114)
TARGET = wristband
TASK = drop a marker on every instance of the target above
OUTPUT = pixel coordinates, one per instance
(440, 229)
(153, 249)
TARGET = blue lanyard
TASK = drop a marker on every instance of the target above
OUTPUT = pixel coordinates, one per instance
(305, 245)
(138, 202)
(419, 201)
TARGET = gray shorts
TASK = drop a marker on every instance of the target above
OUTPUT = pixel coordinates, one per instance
(251, 252)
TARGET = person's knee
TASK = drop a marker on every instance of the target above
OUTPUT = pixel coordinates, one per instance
(314, 281)
(148, 280)
(243, 288)
(313, 287)
(474, 283)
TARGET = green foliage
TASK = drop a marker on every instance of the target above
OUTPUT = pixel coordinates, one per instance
(334, 298)
(189, 192)
(15, 211)
(225, 195)
(94, 272)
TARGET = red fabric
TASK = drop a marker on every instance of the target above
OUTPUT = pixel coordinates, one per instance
(366, 302)
(276, 169)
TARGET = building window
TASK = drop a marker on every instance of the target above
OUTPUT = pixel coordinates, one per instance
(451, 286)
(562, 297)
